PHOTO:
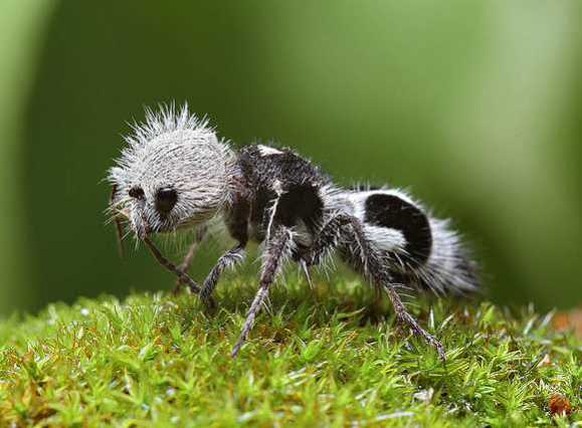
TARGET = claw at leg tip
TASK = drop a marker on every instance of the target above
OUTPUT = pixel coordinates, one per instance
(305, 269)
(235, 350)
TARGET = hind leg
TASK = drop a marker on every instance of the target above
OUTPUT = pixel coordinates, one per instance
(409, 320)
(375, 270)
(277, 249)
(347, 232)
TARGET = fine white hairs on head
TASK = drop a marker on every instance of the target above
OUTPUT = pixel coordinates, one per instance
(172, 151)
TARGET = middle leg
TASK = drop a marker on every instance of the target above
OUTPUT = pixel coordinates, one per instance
(229, 259)
(277, 249)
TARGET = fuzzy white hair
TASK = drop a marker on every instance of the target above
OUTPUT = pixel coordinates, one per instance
(172, 149)
(448, 267)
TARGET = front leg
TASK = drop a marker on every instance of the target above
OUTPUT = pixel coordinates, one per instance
(187, 262)
(228, 260)
(276, 251)
(170, 266)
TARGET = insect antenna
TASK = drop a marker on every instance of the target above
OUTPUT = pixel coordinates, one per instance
(118, 225)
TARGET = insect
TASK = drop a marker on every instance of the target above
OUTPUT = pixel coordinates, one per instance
(175, 174)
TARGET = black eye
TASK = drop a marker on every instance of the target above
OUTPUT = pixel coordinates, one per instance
(165, 200)
(136, 192)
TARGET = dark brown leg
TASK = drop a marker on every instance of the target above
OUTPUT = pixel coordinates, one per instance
(187, 262)
(171, 267)
(366, 259)
(276, 252)
(229, 259)
(409, 320)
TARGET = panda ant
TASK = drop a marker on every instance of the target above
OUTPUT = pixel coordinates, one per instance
(176, 174)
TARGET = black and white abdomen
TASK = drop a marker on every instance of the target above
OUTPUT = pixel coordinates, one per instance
(420, 249)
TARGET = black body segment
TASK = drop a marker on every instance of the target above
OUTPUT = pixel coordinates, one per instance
(283, 181)
(237, 219)
(300, 203)
(393, 212)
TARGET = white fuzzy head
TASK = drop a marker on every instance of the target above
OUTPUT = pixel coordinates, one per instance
(174, 173)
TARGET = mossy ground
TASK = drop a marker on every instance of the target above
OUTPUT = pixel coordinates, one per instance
(315, 360)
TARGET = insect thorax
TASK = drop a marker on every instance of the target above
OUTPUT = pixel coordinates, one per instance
(282, 188)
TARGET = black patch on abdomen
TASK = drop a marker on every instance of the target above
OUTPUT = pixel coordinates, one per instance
(395, 213)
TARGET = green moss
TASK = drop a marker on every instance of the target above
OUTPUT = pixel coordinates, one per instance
(315, 360)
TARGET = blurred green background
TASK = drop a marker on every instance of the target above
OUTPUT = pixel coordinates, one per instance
(476, 106)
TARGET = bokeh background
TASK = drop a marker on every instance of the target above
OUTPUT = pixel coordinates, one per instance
(476, 106)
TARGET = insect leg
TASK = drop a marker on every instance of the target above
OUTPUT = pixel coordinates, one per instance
(229, 259)
(306, 274)
(325, 241)
(276, 251)
(408, 319)
(362, 252)
(189, 257)
(170, 266)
